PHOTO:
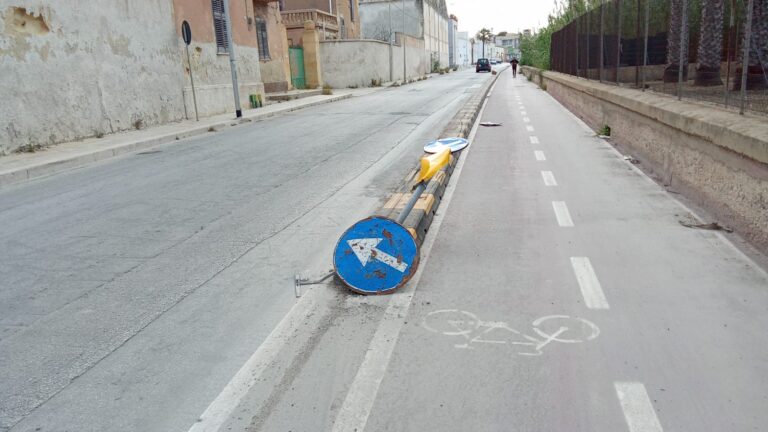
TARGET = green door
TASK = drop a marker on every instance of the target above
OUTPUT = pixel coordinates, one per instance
(296, 57)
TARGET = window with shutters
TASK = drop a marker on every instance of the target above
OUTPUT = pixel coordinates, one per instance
(220, 26)
(352, 10)
(261, 36)
(342, 29)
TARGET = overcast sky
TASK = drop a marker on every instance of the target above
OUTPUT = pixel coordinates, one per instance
(502, 15)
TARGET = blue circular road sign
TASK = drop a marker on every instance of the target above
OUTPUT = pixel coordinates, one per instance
(455, 144)
(375, 256)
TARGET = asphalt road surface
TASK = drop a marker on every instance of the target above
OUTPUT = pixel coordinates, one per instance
(133, 290)
(557, 289)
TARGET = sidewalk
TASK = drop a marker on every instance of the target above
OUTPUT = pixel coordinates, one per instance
(19, 167)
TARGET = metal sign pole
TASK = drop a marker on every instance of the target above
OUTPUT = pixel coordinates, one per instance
(192, 81)
(745, 59)
(232, 59)
(186, 34)
(391, 67)
(645, 37)
(403, 42)
(683, 49)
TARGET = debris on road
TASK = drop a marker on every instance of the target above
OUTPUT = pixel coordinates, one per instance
(490, 124)
(714, 226)
(631, 160)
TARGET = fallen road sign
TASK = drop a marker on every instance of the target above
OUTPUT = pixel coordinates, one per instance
(455, 144)
(376, 256)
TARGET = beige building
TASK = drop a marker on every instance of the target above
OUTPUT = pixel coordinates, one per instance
(209, 60)
(107, 67)
(273, 46)
(334, 19)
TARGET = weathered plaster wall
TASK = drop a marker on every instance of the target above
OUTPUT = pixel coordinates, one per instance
(375, 22)
(354, 63)
(213, 81)
(275, 70)
(71, 69)
(416, 61)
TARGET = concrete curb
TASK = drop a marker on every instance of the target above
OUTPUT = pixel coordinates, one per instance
(72, 161)
(420, 218)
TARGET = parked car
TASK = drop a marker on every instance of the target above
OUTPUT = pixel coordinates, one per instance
(483, 65)
(494, 62)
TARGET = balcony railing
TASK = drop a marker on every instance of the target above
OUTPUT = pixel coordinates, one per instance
(296, 19)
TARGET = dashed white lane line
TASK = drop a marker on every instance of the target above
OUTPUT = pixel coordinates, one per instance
(526, 119)
(637, 407)
(523, 113)
(534, 140)
(539, 155)
(549, 178)
(562, 214)
(591, 290)
(529, 128)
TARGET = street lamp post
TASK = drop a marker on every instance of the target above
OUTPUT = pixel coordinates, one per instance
(232, 59)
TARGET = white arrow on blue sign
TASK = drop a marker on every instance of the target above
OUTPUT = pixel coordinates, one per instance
(455, 144)
(375, 256)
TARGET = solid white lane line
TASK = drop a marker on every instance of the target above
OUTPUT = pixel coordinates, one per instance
(354, 412)
(526, 119)
(549, 178)
(637, 407)
(591, 290)
(539, 155)
(529, 128)
(227, 401)
(534, 140)
(562, 214)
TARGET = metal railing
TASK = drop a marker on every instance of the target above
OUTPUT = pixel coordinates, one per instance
(692, 49)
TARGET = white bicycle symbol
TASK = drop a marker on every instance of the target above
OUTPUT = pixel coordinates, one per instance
(551, 328)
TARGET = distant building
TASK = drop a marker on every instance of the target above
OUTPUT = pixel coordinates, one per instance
(425, 19)
(453, 29)
(510, 42)
(463, 49)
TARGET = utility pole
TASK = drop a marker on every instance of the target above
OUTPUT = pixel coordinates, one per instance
(391, 74)
(232, 59)
(403, 42)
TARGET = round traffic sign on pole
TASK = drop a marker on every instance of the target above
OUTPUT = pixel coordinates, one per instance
(375, 256)
(455, 144)
(186, 32)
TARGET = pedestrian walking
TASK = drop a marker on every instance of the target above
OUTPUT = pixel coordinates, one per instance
(514, 63)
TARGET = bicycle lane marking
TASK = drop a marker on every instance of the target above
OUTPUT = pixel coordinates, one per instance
(454, 322)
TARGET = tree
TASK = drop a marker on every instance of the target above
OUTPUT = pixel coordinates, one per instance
(757, 77)
(674, 60)
(484, 35)
(711, 45)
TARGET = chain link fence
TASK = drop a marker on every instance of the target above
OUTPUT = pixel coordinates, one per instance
(715, 51)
